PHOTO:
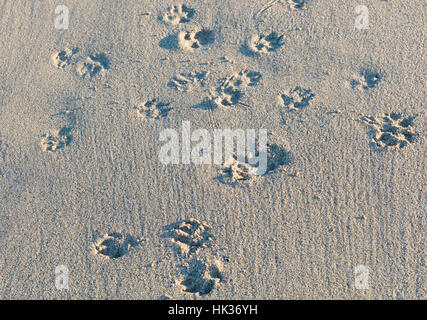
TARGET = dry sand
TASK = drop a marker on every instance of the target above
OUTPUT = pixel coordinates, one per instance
(82, 185)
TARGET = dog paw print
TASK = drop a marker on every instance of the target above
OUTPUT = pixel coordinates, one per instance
(231, 90)
(265, 44)
(188, 235)
(153, 109)
(297, 4)
(93, 65)
(392, 130)
(244, 79)
(63, 58)
(201, 276)
(235, 170)
(227, 97)
(262, 163)
(196, 39)
(56, 140)
(297, 98)
(186, 82)
(178, 14)
(115, 245)
(366, 80)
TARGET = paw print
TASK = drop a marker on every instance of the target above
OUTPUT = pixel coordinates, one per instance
(63, 58)
(392, 130)
(178, 14)
(196, 39)
(93, 65)
(55, 141)
(266, 44)
(153, 109)
(297, 98)
(366, 80)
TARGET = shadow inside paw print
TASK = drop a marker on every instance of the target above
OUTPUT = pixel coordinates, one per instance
(205, 37)
(169, 42)
(297, 4)
(278, 156)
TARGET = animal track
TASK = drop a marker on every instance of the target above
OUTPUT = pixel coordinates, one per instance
(237, 171)
(297, 4)
(366, 80)
(196, 39)
(201, 272)
(265, 44)
(93, 65)
(186, 82)
(153, 109)
(115, 245)
(201, 276)
(230, 92)
(392, 130)
(63, 58)
(56, 140)
(178, 14)
(297, 98)
(189, 235)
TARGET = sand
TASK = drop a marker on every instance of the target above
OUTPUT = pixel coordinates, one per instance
(88, 210)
